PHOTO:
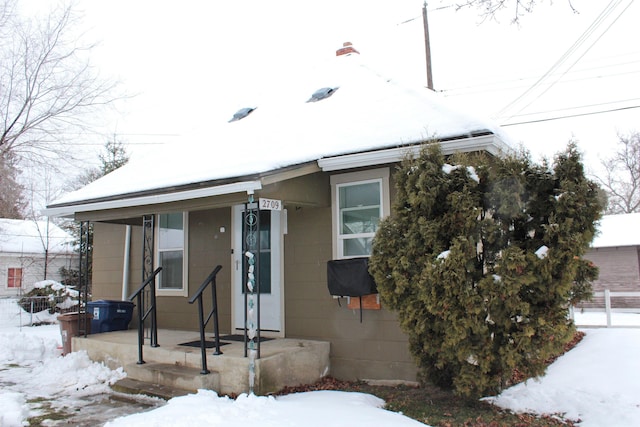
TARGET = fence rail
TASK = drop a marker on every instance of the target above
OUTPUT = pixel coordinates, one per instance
(608, 310)
(29, 311)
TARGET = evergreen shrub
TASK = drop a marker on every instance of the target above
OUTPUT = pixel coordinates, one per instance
(481, 258)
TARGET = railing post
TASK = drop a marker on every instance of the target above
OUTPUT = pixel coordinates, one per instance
(140, 329)
(203, 351)
(154, 319)
(139, 294)
(214, 305)
(210, 280)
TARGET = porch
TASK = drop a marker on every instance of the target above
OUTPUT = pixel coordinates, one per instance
(283, 361)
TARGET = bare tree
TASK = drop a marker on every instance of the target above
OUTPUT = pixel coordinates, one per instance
(489, 8)
(48, 86)
(621, 179)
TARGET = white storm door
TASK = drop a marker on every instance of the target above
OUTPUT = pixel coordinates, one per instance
(271, 271)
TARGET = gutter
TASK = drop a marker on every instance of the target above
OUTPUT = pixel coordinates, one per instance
(489, 143)
(68, 209)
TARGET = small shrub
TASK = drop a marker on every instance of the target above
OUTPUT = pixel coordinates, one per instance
(49, 295)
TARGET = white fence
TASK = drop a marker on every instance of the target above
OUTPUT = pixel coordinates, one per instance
(631, 320)
(30, 311)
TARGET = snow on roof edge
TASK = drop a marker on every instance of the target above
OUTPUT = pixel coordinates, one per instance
(618, 230)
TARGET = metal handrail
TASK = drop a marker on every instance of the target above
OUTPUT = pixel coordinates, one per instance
(211, 279)
(151, 310)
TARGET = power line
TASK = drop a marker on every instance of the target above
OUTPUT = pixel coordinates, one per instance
(600, 104)
(568, 116)
(571, 51)
(519, 83)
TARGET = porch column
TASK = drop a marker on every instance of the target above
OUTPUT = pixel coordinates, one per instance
(148, 246)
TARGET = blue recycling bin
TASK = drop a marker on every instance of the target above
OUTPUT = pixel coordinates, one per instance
(110, 315)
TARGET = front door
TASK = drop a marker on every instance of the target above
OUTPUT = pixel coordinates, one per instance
(271, 274)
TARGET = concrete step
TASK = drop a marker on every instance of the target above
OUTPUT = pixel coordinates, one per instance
(131, 386)
(173, 376)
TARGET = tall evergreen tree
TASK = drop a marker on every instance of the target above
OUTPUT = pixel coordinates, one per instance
(12, 202)
(481, 258)
(114, 155)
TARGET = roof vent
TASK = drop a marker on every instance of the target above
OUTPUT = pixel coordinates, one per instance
(322, 93)
(241, 114)
(346, 49)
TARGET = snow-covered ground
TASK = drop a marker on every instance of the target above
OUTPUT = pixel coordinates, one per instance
(598, 382)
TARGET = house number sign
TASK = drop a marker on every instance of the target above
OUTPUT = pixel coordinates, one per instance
(269, 204)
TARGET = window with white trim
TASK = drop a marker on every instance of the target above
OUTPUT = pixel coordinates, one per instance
(14, 277)
(360, 201)
(171, 256)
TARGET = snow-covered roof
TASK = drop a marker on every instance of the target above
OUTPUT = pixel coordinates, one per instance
(30, 237)
(364, 112)
(618, 230)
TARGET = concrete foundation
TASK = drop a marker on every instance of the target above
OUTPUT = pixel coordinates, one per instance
(283, 362)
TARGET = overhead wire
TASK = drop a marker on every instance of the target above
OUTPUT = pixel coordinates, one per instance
(608, 10)
(547, 119)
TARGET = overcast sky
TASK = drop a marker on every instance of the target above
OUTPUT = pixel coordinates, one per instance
(194, 61)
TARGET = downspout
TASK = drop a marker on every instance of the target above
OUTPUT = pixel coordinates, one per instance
(126, 263)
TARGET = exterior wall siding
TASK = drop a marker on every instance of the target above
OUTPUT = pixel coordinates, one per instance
(373, 349)
(32, 270)
(208, 247)
(619, 272)
(108, 261)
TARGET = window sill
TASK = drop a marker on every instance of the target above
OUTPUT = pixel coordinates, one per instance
(171, 293)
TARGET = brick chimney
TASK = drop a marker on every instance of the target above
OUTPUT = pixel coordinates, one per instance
(346, 49)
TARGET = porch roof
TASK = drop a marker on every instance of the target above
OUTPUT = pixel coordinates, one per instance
(368, 119)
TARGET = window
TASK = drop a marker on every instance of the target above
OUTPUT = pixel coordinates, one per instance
(360, 201)
(264, 250)
(172, 239)
(14, 278)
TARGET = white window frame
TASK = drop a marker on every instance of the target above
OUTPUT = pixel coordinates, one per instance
(10, 277)
(380, 175)
(184, 291)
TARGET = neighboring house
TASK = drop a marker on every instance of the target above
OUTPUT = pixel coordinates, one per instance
(27, 249)
(616, 252)
(323, 149)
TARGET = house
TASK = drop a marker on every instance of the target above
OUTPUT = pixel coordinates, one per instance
(319, 156)
(31, 251)
(616, 252)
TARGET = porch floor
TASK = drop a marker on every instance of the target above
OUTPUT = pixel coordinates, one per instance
(283, 361)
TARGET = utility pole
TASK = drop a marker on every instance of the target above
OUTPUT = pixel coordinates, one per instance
(427, 46)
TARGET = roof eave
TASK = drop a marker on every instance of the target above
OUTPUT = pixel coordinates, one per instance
(72, 208)
(489, 143)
